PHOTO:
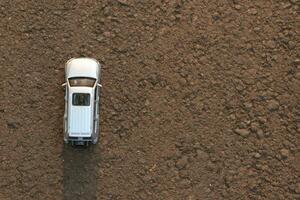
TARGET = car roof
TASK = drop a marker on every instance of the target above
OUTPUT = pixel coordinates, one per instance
(83, 67)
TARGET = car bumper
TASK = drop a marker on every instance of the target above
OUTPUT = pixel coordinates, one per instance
(83, 139)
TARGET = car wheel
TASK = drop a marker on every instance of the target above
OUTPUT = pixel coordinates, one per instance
(95, 140)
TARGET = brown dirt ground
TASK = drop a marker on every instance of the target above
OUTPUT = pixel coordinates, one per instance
(200, 99)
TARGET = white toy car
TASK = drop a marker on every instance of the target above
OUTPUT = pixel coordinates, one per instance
(82, 90)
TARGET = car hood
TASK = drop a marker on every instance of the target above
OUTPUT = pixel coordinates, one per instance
(82, 67)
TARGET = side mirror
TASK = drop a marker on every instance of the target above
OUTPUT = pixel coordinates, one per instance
(98, 84)
(64, 84)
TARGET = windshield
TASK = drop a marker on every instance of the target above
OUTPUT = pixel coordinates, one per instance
(81, 99)
(82, 82)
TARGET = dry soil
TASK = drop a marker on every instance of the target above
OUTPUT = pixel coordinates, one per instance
(200, 99)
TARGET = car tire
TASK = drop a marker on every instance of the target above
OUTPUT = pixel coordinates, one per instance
(95, 140)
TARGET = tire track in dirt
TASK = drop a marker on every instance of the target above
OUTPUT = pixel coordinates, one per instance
(80, 172)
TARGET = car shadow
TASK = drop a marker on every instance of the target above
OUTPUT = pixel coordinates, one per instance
(80, 174)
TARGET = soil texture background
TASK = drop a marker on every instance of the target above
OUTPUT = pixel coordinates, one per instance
(200, 99)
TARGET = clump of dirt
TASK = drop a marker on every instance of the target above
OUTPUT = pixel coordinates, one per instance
(200, 99)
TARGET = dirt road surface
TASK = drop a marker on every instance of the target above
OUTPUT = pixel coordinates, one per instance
(200, 99)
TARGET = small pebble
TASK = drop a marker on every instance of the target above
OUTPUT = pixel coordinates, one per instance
(12, 125)
(216, 16)
(260, 133)
(286, 5)
(297, 61)
(242, 132)
(271, 44)
(252, 11)
(182, 162)
(238, 7)
(257, 155)
(107, 34)
(147, 102)
(267, 134)
(123, 2)
(273, 105)
(202, 155)
(284, 153)
(254, 126)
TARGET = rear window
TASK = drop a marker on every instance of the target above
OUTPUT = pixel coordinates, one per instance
(81, 99)
(82, 82)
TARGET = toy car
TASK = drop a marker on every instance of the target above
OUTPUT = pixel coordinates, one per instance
(82, 91)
